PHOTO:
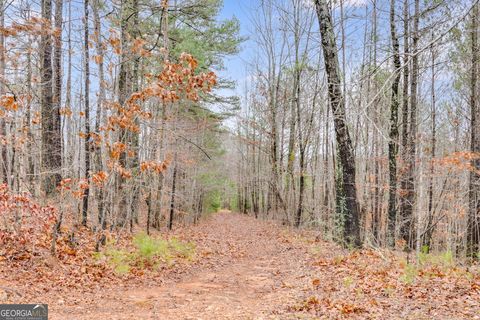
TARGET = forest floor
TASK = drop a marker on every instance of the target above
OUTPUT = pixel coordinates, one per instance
(251, 269)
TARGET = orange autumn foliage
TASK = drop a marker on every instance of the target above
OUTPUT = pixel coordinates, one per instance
(99, 178)
(34, 26)
(157, 167)
(176, 82)
(8, 103)
(460, 160)
(24, 224)
(116, 150)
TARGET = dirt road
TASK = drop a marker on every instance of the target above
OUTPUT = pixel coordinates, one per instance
(260, 277)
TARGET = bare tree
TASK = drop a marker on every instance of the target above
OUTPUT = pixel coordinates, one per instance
(3, 130)
(473, 222)
(393, 138)
(86, 98)
(344, 143)
(51, 123)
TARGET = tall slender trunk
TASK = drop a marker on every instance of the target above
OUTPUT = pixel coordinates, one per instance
(301, 146)
(122, 97)
(51, 125)
(296, 111)
(473, 221)
(291, 141)
(68, 90)
(408, 229)
(3, 127)
(326, 189)
(393, 138)
(134, 136)
(405, 120)
(57, 82)
(30, 138)
(161, 177)
(337, 102)
(273, 156)
(100, 100)
(87, 114)
(376, 211)
(172, 199)
(57, 56)
(429, 227)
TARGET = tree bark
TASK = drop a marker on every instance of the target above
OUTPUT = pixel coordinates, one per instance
(473, 220)
(86, 192)
(172, 199)
(393, 141)
(134, 136)
(337, 102)
(51, 123)
(407, 229)
(3, 127)
(405, 108)
(429, 228)
(122, 97)
(101, 98)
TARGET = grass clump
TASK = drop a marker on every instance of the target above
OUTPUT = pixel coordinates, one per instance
(428, 265)
(151, 251)
(443, 259)
(410, 272)
(146, 252)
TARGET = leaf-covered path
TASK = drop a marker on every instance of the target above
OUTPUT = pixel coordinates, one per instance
(254, 272)
(252, 269)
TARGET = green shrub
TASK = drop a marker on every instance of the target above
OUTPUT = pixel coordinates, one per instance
(213, 201)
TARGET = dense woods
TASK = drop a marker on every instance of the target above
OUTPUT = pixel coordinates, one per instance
(365, 139)
(131, 147)
(362, 138)
(359, 120)
(107, 109)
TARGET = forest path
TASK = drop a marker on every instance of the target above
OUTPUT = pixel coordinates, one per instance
(253, 281)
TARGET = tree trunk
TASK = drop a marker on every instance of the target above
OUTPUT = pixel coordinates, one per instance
(3, 127)
(67, 158)
(87, 115)
(405, 93)
(161, 177)
(407, 229)
(473, 221)
(100, 100)
(393, 141)
(51, 125)
(337, 102)
(429, 227)
(172, 199)
(134, 138)
(122, 97)
(30, 170)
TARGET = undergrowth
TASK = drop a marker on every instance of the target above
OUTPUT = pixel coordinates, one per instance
(147, 252)
(428, 265)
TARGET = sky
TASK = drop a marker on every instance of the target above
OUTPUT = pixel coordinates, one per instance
(355, 12)
(235, 67)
